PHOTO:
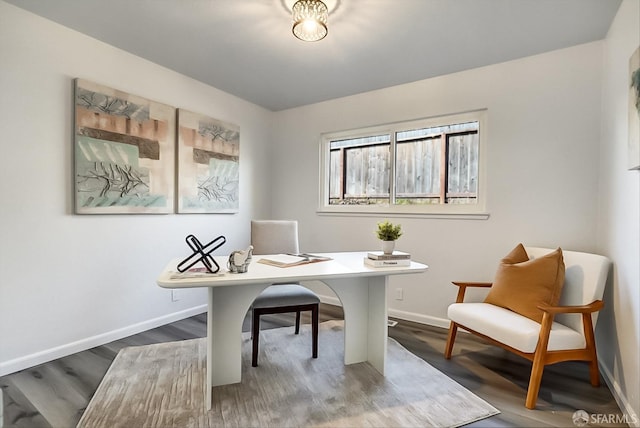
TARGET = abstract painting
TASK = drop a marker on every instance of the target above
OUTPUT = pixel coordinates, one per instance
(208, 164)
(634, 110)
(124, 152)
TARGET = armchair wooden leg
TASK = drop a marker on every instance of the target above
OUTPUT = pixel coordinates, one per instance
(539, 361)
(453, 329)
(594, 372)
(534, 383)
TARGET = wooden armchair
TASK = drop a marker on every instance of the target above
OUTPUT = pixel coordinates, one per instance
(566, 332)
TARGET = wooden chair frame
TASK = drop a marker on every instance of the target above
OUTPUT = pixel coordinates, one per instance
(255, 325)
(272, 237)
(541, 356)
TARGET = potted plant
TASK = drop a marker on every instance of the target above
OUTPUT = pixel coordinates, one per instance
(388, 233)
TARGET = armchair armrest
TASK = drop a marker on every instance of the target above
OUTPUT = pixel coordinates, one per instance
(472, 284)
(462, 287)
(584, 310)
(594, 306)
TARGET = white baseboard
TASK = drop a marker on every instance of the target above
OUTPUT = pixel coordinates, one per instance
(631, 417)
(395, 313)
(46, 355)
(419, 318)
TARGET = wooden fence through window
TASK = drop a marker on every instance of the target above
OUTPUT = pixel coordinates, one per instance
(441, 168)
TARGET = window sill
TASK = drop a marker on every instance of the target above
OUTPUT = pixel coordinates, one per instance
(391, 213)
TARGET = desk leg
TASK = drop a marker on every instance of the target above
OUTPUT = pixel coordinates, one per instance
(364, 301)
(226, 311)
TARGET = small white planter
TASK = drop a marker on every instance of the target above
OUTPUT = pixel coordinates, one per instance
(388, 246)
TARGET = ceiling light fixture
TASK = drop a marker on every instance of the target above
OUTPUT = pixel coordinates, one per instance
(310, 20)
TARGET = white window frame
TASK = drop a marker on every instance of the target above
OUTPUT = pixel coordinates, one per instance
(464, 211)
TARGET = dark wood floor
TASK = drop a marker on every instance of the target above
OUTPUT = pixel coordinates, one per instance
(56, 393)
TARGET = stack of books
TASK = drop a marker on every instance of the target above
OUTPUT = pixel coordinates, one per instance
(380, 259)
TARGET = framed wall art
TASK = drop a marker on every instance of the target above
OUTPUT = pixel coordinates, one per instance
(124, 152)
(208, 164)
(634, 110)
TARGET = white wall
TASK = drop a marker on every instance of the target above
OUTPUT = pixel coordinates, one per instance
(618, 333)
(543, 134)
(69, 282)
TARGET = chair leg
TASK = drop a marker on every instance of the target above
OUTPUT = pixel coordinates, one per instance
(255, 331)
(539, 361)
(453, 329)
(297, 322)
(594, 372)
(534, 384)
(314, 330)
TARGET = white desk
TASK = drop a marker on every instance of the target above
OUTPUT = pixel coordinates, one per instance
(362, 290)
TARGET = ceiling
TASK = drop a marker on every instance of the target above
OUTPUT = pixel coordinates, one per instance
(245, 47)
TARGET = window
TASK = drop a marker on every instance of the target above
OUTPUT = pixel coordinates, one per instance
(430, 166)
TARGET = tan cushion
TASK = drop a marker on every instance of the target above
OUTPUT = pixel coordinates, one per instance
(517, 255)
(522, 286)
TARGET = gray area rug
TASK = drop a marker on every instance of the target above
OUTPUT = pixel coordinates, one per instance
(163, 385)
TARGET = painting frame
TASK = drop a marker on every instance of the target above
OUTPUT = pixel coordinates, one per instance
(124, 152)
(208, 164)
(634, 111)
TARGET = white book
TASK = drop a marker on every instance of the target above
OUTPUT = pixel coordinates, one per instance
(195, 273)
(396, 255)
(387, 263)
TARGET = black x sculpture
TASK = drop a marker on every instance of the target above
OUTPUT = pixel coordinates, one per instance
(202, 254)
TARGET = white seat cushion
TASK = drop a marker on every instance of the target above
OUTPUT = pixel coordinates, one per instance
(285, 295)
(513, 329)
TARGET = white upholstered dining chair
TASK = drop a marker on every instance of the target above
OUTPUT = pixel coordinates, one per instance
(566, 331)
(280, 237)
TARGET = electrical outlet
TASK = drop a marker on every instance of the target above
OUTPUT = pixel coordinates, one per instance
(175, 295)
(399, 294)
